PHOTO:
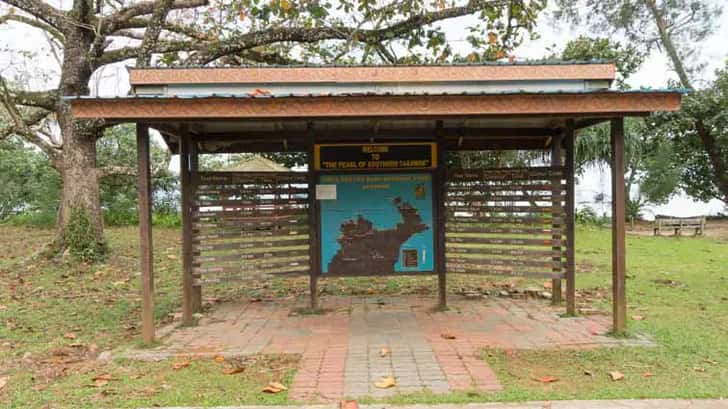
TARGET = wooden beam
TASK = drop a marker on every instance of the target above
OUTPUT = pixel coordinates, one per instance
(439, 185)
(144, 189)
(577, 104)
(570, 209)
(619, 297)
(194, 168)
(313, 234)
(556, 204)
(186, 208)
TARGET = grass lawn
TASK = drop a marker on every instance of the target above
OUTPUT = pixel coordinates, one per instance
(56, 316)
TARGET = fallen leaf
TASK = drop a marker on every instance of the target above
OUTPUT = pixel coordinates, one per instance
(699, 369)
(102, 380)
(233, 370)
(171, 256)
(588, 372)
(105, 377)
(180, 365)
(647, 374)
(3, 382)
(384, 352)
(69, 335)
(348, 404)
(710, 361)
(219, 359)
(274, 387)
(447, 335)
(638, 317)
(386, 382)
(548, 379)
(616, 375)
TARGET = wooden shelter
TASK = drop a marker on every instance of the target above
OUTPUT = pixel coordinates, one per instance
(382, 194)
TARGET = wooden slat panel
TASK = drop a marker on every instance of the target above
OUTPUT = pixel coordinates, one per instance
(242, 268)
(238, 214)
(469, 269)
(503, 220)
(258, 245)
(490, 261)
(499, 251)
(287, 272)
(233, 190)
(472, 249)
(240, 233)
(469, 228)
(499, 241)
(254, 223)
(252, 257)
(487, 197)
(540, 173)
(504, 209)
(498, 187)
(252, 203)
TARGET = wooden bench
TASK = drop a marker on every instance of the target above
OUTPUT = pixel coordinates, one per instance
(677, 224)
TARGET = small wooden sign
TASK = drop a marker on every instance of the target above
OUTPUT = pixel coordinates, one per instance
(375, 156)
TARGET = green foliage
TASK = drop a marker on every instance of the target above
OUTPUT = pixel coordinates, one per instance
(690, 22)
(33, 218)
(627, 57)
(588, 217)
(709, 109)
(166, 219)
(80, 237)
(118, 191)
(27, 182)
(679, 27)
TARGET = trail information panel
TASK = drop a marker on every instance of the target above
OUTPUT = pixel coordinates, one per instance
(375, 156)
(377, 224)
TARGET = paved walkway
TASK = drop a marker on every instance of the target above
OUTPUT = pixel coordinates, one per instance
(566, 404)
(341, 349)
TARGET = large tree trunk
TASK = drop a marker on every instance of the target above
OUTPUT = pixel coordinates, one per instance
(78, 160)
(80, 184)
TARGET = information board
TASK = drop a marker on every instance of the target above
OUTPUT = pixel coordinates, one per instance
(375, 156)
(376, 223)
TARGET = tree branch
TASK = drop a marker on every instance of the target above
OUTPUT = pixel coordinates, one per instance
(207, 51)
(151, 34)
(33, 22)
(41, 11)
(107, 171)
(147, 7)
(22, 124)
(38, 99)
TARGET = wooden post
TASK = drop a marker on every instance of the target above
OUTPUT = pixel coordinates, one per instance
(144, 188)
(440, 193)
(186, 208)
(194, 167)
(313, 238)
(569, 216)
(557, 228)
(619, 301)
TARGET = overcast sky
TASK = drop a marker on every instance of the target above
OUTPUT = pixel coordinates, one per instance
(654, 73)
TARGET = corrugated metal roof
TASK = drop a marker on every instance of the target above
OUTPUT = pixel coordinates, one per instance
(263, 95)
(454, 64)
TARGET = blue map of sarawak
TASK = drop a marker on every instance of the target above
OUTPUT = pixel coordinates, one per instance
(377, 224)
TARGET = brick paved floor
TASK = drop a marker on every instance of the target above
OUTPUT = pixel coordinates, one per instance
(340, 350)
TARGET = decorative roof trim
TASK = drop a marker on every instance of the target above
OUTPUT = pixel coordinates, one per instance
(593, 103)
(372, 74)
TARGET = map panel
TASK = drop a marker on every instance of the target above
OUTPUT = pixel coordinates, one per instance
(378, 224)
